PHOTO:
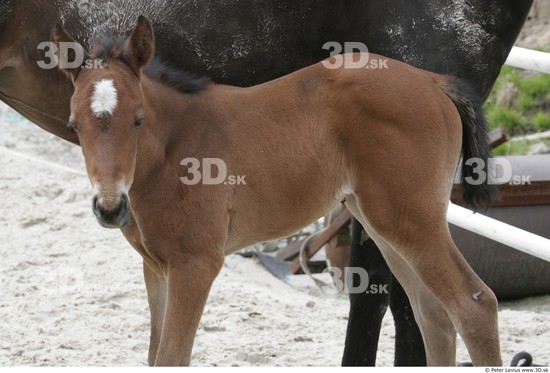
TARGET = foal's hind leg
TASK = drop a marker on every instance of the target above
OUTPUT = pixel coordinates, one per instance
(438, 333)
(367, 311)
(409, 345)
(417, 231)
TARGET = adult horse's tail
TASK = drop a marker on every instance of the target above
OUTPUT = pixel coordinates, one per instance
(476, 191)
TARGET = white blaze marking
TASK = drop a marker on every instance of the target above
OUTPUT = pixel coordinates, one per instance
(104, 99)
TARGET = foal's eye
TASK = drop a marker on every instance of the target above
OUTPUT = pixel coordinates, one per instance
(73, 125)
(139, 122)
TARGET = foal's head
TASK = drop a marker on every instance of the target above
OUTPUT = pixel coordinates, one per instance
(106, 113)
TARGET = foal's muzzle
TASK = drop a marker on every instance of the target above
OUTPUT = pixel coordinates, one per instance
(115, 218)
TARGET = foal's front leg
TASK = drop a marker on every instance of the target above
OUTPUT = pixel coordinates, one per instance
(156, 296)
(155, 284)
(189, 278)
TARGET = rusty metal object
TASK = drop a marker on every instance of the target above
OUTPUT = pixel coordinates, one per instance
(535, 169)
(341, 220)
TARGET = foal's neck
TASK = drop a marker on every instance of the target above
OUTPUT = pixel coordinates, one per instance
(165, 112)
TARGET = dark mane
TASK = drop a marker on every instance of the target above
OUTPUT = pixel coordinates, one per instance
(175, 78)
(110, 47)
(107, 47)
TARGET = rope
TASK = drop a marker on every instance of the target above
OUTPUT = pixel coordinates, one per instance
(18, 155)
(303, 260)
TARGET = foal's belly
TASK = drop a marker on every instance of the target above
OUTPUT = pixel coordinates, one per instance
(248, 228)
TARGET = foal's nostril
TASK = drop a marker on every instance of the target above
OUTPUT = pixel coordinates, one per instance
(115, 218)
(124, 202)
(95, 205)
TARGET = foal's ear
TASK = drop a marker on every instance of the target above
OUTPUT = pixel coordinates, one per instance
(140, 46)
(71, 55)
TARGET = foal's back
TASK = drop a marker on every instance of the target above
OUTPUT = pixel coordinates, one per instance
(304, 140)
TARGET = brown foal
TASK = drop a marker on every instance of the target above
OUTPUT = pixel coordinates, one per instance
(385, 141)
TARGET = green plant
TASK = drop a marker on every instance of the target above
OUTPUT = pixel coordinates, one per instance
(518, 147)
(519, 103)
(507, 118)
(541, 121)
(526, 102)
(536, 85)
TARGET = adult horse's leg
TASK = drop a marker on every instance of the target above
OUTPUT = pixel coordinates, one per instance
(156, 296)
(409, 346)
(366, 310)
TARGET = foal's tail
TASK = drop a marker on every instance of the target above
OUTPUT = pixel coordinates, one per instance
(476, 191)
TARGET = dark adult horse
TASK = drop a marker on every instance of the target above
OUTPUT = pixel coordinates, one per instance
(251, 41)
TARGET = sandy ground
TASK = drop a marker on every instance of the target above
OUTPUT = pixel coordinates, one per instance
(72, 293)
